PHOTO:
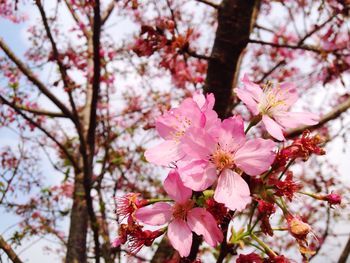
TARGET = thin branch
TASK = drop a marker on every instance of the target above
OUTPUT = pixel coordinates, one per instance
(333, 114)
(279, 64)
(276, 45)
(107, 12)
(31, 76)
(216, 6)
(9, 251)
(66, 80)
(10, 104)
(77, 18)
(195, 55)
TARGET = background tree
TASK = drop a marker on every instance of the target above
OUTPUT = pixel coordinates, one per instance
(97, 74)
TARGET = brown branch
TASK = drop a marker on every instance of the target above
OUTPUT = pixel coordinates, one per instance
(216, 6)
(279, 64)
(76, 18)
(41, 112)
(345, 254)
(195, 55)
(31, 76)
(66, 80)
(37, 125)
(9, 251)
(92, 126)
(276, 45)
(107, 12)
(333, 114)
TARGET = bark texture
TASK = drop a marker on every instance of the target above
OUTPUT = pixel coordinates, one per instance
(235, 21)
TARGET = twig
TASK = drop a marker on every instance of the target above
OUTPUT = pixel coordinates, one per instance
(216, 6)
(302, 47)
(345, 254)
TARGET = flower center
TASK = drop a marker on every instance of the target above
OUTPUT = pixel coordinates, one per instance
(180, 129)
(180, 210)
(273, 97)
(222, 159)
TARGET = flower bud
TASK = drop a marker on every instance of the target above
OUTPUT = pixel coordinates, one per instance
(333, 199)
(298, 228)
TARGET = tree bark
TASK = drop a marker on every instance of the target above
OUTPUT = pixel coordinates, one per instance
(76, 249)
(235, 22)
(9, 251)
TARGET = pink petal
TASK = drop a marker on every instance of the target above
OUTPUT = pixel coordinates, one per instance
(197, 174)
(273, 128)
(288, 93)
(248, 100)
(255, 156)
(203, 223)
(296, 119)
(180, 236)
(175, 187)
(164, 153)
(251, 87)
(232, 191)
(232, 133)
(155, 215)
(197, 143)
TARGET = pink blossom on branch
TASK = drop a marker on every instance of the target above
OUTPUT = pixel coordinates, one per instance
(182, 216)
(226, 153)
(172, 126)
(273, 104)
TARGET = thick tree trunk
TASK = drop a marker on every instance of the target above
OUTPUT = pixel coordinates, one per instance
(235, 22)
(76, 249)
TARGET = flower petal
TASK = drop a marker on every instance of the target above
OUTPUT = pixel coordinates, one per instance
(273, 128)
(232, 191)
(248, 100)
(296, 119)
(154, 215)
(255, 156)
(164, 153)
(175, 187)
(251, 87)
(197, 174)
(203, 223)
(197, 143)
(232, 133)
(180, 236)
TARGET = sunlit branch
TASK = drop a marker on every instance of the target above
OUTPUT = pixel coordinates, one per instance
(41, 112)
(9, 251)
(107, 12)
(333, 114)
(76, 18)
(31, 76)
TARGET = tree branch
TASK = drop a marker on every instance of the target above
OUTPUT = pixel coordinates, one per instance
(13, 106)
(31, 76)
(107, 12)
(276, 45)
(333, 114)
(209, 3)
(9, 251)
(345, 254)
(41, 112)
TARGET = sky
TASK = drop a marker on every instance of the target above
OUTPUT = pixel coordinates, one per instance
(34, 252)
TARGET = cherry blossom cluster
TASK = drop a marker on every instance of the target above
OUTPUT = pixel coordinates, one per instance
(216, 169)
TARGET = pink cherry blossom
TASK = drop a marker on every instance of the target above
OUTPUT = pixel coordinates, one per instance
(273, 103)
(171, 126)
(227, 154)
(182, 216)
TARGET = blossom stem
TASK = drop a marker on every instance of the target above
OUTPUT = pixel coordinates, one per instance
(251, 215)
(268, 250)
(286, 169)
